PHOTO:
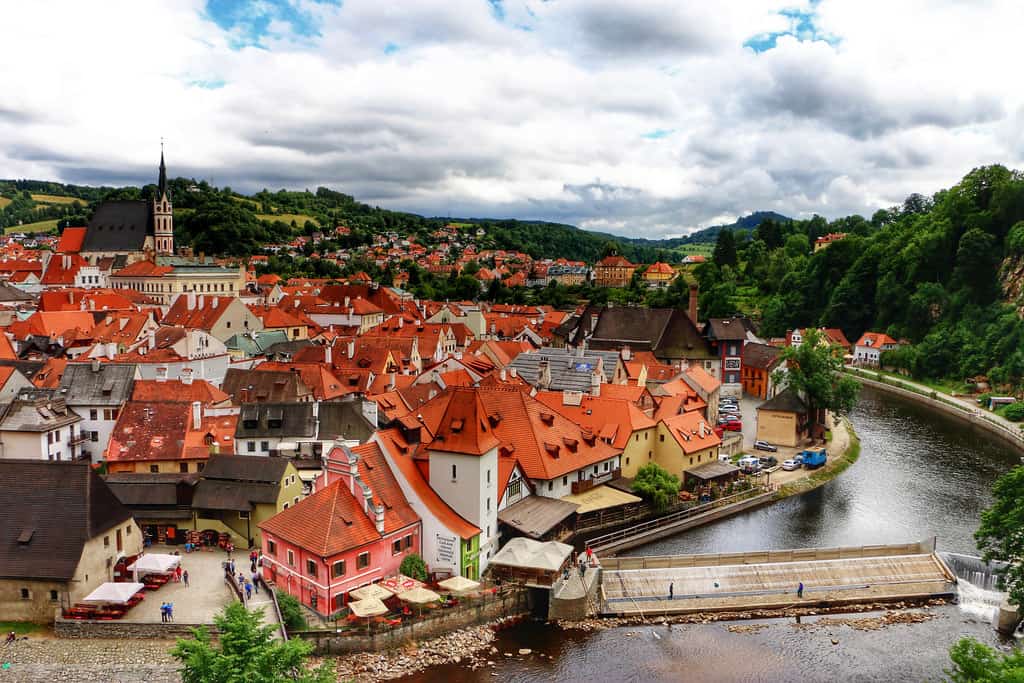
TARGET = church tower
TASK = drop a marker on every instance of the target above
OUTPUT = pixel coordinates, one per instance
(163, 215)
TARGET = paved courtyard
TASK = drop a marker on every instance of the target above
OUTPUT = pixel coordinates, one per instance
(196, 603)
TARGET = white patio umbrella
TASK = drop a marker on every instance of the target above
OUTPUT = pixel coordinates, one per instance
(419, 596)
(113, 593)
(459, 584)
(368, 607)
(154, 563)
(371, 590)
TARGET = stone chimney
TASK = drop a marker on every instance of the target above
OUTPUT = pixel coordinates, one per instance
(627, 353)
(111, 350)
(327, 354)
(190, 301)
(595, 384)
(152, 339)
(351, 349)
(543, 374)
(197, 415)
(95, 364)
(692, 310)
(379, 518)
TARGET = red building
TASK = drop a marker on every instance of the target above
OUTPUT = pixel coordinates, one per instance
(354, 531)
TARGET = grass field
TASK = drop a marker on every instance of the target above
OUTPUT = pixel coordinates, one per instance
(54, 199)
(41, 226)
(246, 200)
(702, 248)
(19, 627)
(4, 201)
(299, 218)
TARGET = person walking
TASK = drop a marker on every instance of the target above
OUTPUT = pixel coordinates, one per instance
(231, 564)
(248, 590)
(800, 590)
(163, 612)
(184, 577)
(241, 581)
(170, 611)
(177, 573)
(671, 591)
(255, 583)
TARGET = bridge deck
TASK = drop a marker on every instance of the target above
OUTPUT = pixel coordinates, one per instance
(750, 586)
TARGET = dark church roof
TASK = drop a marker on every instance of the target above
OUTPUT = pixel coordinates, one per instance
(119, 226)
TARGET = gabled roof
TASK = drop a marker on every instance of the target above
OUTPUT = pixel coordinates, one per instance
(597, 413)
(659, 268)
(326, 523)
(568, 369)
(160, 431)
(463, 426)
(97, 384)
(615, 261)
(761, 356)
(276, 419)
(729, 329)
(785, 402)
(178, 391)
(54, 508)
(375, 472)
(251, 386)
(204, 314)
(875, 340)
(119, 226)
(256, 469)
(685, 428)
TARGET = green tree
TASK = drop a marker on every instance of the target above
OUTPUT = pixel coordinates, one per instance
(725, 249)
(414, 567)
(813, 371)
(245, 652)
(975, 662)
(1000, 537)
(656, 485)
(291, 611)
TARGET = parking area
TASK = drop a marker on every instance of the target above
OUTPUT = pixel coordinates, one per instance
(748, 414)
(197, 603)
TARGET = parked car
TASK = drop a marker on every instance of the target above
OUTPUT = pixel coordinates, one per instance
(733, 426)
(769, 461)
(749, 464)
(729, 410)
(790, 465)
(765, 446)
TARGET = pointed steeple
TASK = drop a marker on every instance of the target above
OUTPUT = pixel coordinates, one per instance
(162, 183)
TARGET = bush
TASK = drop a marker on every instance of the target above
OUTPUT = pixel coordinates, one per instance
(414, 567)
(291, 612)
(984, 398)
(1014, 412)
(656, 485)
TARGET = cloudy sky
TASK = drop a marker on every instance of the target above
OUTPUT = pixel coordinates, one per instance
(645, 118)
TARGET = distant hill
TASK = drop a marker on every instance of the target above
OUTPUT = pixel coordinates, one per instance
(743, 224)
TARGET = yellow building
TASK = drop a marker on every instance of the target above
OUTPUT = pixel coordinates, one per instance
(659, 275)
(685, 441)
(783, 420)
(164, 278)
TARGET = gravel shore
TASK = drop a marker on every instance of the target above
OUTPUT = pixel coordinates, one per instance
(84, 661)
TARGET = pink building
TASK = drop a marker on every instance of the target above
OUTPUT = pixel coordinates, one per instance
(354, 531)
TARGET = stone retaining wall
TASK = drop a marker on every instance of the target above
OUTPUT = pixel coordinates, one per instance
(328, 642)
(83, 628)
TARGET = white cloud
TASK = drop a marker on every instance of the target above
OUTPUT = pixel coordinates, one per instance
(644, 118)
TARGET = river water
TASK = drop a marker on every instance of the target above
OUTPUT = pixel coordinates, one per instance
(920, 474)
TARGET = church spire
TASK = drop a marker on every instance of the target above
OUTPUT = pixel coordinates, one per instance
(162, 183)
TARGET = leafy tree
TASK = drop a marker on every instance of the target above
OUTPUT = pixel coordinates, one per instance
(655, 484)
(291, 611)
(1001, 534)
(245, 651)
(725, 249)
(414, 567)
(1014, 412)
(814, 373)
(975, 662)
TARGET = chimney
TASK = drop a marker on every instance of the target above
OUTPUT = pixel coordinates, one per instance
(627, 353)
(95, 364)
(186, 376)
(379, 518)
(202, 301)
(692, 311)
(327, 354)
(66, 262)
(197, 415)
(123, 322)
(214, 301)
(543, 375)
(351, 349)
(391, 380)
(190, 301)
(111, 350)
(513, 372)
(595, 384)
(152, 339)
(503, 375)
(346, 302)
(701, 429)
(401, 321)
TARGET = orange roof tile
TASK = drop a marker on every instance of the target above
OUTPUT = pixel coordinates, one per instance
(686, 430)
(71, 241)
(178, 391)
(326, 523)
(600, 414)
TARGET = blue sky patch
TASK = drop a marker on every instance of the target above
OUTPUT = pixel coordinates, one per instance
(658, 133)
(208, 84)
(802, 26)
(391, 48)
(497, 9)
(250, 21)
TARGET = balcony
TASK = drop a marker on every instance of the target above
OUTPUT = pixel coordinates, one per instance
(587, 484)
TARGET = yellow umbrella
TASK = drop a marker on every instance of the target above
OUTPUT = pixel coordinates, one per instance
(368, 607)
(459, 584)
(371, 590)
(419, 596)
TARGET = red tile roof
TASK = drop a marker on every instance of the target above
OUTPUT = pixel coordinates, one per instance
(143, 269)
(615, 261)
(660, 268)
(71, 241)
(875, 340)
(178, 391)
(49, 375)
(163, 430)
(207, 311)
(686, 430)
(597, 413)
(326, 523)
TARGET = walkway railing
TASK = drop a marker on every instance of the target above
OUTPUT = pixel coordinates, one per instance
(614, 537)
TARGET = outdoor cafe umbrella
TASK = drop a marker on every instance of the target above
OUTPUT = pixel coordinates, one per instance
(371, 590)
(400, 583)
(113, 593)
(419, 596)
(154, 563)
(368, 607)
(459, 584)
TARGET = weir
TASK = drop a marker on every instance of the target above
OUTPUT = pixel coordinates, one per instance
(978, 592)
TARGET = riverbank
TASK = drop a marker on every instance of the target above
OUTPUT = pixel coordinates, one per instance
(1008, 432)
(843, 451)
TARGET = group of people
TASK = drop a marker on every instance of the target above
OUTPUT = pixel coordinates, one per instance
(181, 575)
(166, 611)
(249, 586)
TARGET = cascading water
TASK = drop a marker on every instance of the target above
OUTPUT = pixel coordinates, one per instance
(978, 593)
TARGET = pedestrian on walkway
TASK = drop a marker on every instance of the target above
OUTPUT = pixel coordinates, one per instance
(671, 591)
(184, 577)
(252, 566)
(232, 566)
(800, 590)
(248, 590)
(177, 573)
(255, 583)
(170, 611)
(163, 611)
(241, 580)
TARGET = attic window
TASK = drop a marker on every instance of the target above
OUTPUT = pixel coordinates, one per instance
(494, 419)
(571, 444)
(507, 451)
(551, 448)
(25, 537)
(456, 425)
(547, 418)
(108, 388)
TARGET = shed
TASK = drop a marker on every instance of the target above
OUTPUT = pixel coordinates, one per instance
(531, 562)
(538, 517)
(783, 420)
(715, 471)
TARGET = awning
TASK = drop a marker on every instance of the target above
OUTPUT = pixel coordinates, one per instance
(287, 446)
(459, 584)
(712, 470)
(113, 593)
(154, 563)
(370, 607)
(371, 590)
(600, 498)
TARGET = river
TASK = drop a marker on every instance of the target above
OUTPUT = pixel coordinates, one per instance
(920, 474)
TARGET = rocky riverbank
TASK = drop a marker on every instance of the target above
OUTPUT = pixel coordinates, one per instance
(38, 658)
(891, 616)
(471, 648)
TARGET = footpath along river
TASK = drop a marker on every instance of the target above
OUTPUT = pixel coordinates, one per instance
(920, 474)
